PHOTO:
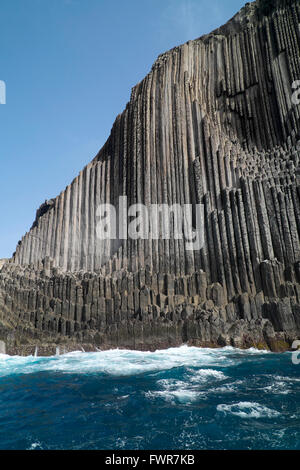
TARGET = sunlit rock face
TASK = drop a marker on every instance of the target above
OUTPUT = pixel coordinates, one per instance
(215, 122)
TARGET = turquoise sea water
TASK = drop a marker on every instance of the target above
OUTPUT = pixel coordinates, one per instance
(181, 398)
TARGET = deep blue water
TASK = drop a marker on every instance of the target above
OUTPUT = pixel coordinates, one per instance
(182, 398)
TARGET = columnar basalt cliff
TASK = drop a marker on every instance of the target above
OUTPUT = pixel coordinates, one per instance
(214, 122)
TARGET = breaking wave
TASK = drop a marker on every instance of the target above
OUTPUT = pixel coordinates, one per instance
(248, 410)
(124, 362)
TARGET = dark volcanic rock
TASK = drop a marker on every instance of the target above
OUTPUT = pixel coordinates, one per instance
(214, 122)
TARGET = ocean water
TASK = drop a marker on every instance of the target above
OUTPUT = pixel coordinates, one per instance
(181, 398)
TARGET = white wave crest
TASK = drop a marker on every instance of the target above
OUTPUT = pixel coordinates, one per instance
(248, 410)
(182, 395)
(115, 362)
(125, 362)
(203, 375)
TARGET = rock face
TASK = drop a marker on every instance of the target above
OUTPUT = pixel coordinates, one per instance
(3, 262)
(215, 122)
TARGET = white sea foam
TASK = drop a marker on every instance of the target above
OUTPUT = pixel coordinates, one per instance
(246, 409)
(124, 362)
(171, 384)
(35, 446)
(231, 349)
(277, 388)
(182, 395)
(204, 375)
(185, 391)
(281, 385)
(4, 356)
(255, 351)
(228, 388)
(286, 379)
(114, 362)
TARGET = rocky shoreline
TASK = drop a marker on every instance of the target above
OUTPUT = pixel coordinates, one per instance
(143, 311)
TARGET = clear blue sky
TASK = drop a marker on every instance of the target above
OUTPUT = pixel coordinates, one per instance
(69, 66)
